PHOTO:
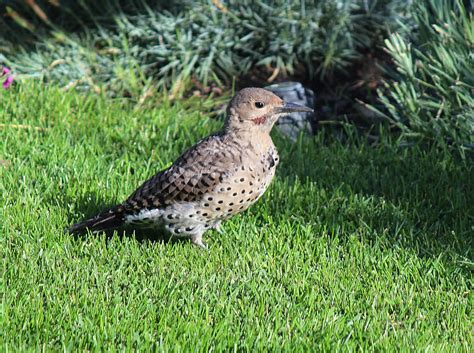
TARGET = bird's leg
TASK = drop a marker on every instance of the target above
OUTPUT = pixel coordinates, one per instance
(218, 228)
(196, 239)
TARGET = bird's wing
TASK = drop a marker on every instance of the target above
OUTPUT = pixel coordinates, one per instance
(198, 171)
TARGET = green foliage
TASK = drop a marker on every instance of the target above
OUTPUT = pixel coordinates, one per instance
(199, 40)
(351, 248)
(432, 96)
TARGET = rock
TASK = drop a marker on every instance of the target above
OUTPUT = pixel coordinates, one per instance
(291, 125)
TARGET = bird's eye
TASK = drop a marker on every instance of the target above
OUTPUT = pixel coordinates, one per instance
(259, 105)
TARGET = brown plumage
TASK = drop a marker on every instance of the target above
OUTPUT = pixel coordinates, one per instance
(220, 176)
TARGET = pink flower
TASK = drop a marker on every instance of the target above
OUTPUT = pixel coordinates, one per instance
(8, 81)
(9, 78)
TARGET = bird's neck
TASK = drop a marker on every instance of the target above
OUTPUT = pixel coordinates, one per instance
(257, 141)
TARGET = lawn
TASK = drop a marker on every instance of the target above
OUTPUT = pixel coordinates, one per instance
(352, 247)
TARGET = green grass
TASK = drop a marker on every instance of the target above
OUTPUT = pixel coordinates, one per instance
(353, 247)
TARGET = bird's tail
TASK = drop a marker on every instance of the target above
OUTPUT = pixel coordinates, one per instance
(111, 218)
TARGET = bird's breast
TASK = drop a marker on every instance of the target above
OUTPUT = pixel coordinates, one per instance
(244, 183)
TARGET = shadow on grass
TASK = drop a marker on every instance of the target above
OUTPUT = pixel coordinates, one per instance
(422, 199)
(91, 204)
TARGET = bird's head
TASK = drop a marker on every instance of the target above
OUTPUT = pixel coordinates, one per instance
(256, 109)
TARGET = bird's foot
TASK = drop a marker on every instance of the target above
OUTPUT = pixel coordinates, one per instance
(197, 240)
(218, 228)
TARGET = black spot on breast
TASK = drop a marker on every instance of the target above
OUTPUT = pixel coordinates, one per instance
(234, 194)
(231, 204)
(170, 216)
(270, 160)
(243, 191)
(229, 188)
(205, 214)
(218, 208)
(220, 202)
(242, 179)
(206, 204)
(188, 229)
(209, 198)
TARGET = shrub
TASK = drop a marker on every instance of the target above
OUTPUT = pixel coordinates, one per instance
(432, 95)
(212, 42)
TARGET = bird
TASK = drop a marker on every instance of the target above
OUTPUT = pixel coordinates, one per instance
(220, 176)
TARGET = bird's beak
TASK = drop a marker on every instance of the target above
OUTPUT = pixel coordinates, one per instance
(292, 108)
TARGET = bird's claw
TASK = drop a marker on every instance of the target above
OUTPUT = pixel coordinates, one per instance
(198, 242)
(218, 228)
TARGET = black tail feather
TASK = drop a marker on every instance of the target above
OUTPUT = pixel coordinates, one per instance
(112, 218)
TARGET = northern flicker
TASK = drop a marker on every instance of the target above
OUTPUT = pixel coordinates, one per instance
(219, 177)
